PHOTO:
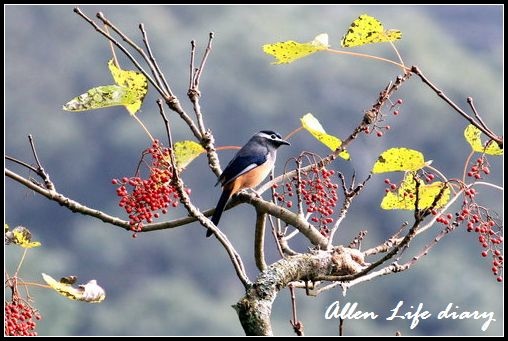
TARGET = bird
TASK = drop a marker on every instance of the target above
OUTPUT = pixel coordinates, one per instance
(248, 168)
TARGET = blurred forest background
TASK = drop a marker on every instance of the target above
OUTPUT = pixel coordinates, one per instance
(176, 282)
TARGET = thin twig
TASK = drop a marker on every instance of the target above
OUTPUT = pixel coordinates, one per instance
(197, 76)
(191, 65)
(356, 132)
(170, 100)
(299, 199)
(470, 101)
(24, 164)
(78, 11)
(297, 325)
(276, 235)
(441, 94)
(40, 170)
(156, 83)
(349, 194)
(166, 123)
(207, 223)
(193, 93)
(157, 72)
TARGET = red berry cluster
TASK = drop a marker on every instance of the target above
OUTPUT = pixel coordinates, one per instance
(480, 166)
(489, 231)
(151, 195)
(445, 219)
(318, 193)
(19, 319)
(489, 237)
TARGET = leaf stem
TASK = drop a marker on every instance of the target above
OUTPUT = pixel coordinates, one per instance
(144, 127)
(357, 54)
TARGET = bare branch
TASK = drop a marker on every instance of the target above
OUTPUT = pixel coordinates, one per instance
(368, 118)
(19, 162)
(470, 101)
(259, 241)
(440, 93)
(156, 70)
(166, 124)
(297, 325)
(74, 206)
(208, 49)
(349, 194)
(171, 101)
(78, 11)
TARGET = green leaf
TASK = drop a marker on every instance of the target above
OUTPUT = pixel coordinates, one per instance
(367, 30)
(90, 292)
(130, 90)
(97, 98)
(399, 159)
(405, 197)
(289, 51)
(186, 152)
(473, 136)
(312, 125)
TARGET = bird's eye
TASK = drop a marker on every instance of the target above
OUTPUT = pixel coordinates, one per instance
(274, 137)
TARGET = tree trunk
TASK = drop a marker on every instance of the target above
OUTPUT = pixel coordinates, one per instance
(254, 309)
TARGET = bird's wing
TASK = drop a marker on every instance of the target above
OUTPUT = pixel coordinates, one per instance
(239, 165)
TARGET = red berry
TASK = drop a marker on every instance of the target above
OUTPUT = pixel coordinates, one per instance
(484, 253)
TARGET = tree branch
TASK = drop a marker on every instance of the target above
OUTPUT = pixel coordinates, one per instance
(259, 241)
(255, 307)
(72, 205)
(440, 93)
(290, 218)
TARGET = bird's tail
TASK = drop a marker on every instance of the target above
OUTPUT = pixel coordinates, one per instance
(219, 209)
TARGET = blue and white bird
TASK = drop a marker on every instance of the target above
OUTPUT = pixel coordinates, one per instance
(248, 168)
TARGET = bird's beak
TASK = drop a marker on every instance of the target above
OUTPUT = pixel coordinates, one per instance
(285, 142)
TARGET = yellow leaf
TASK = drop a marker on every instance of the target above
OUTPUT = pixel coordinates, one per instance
(312, 125)
(367, 30)
(186, 152)
(405, 197)
(473, 136)
(21, 236)
(135, 83)
(398, 159)
(289, 51)
(90, 292)
(129, 91)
